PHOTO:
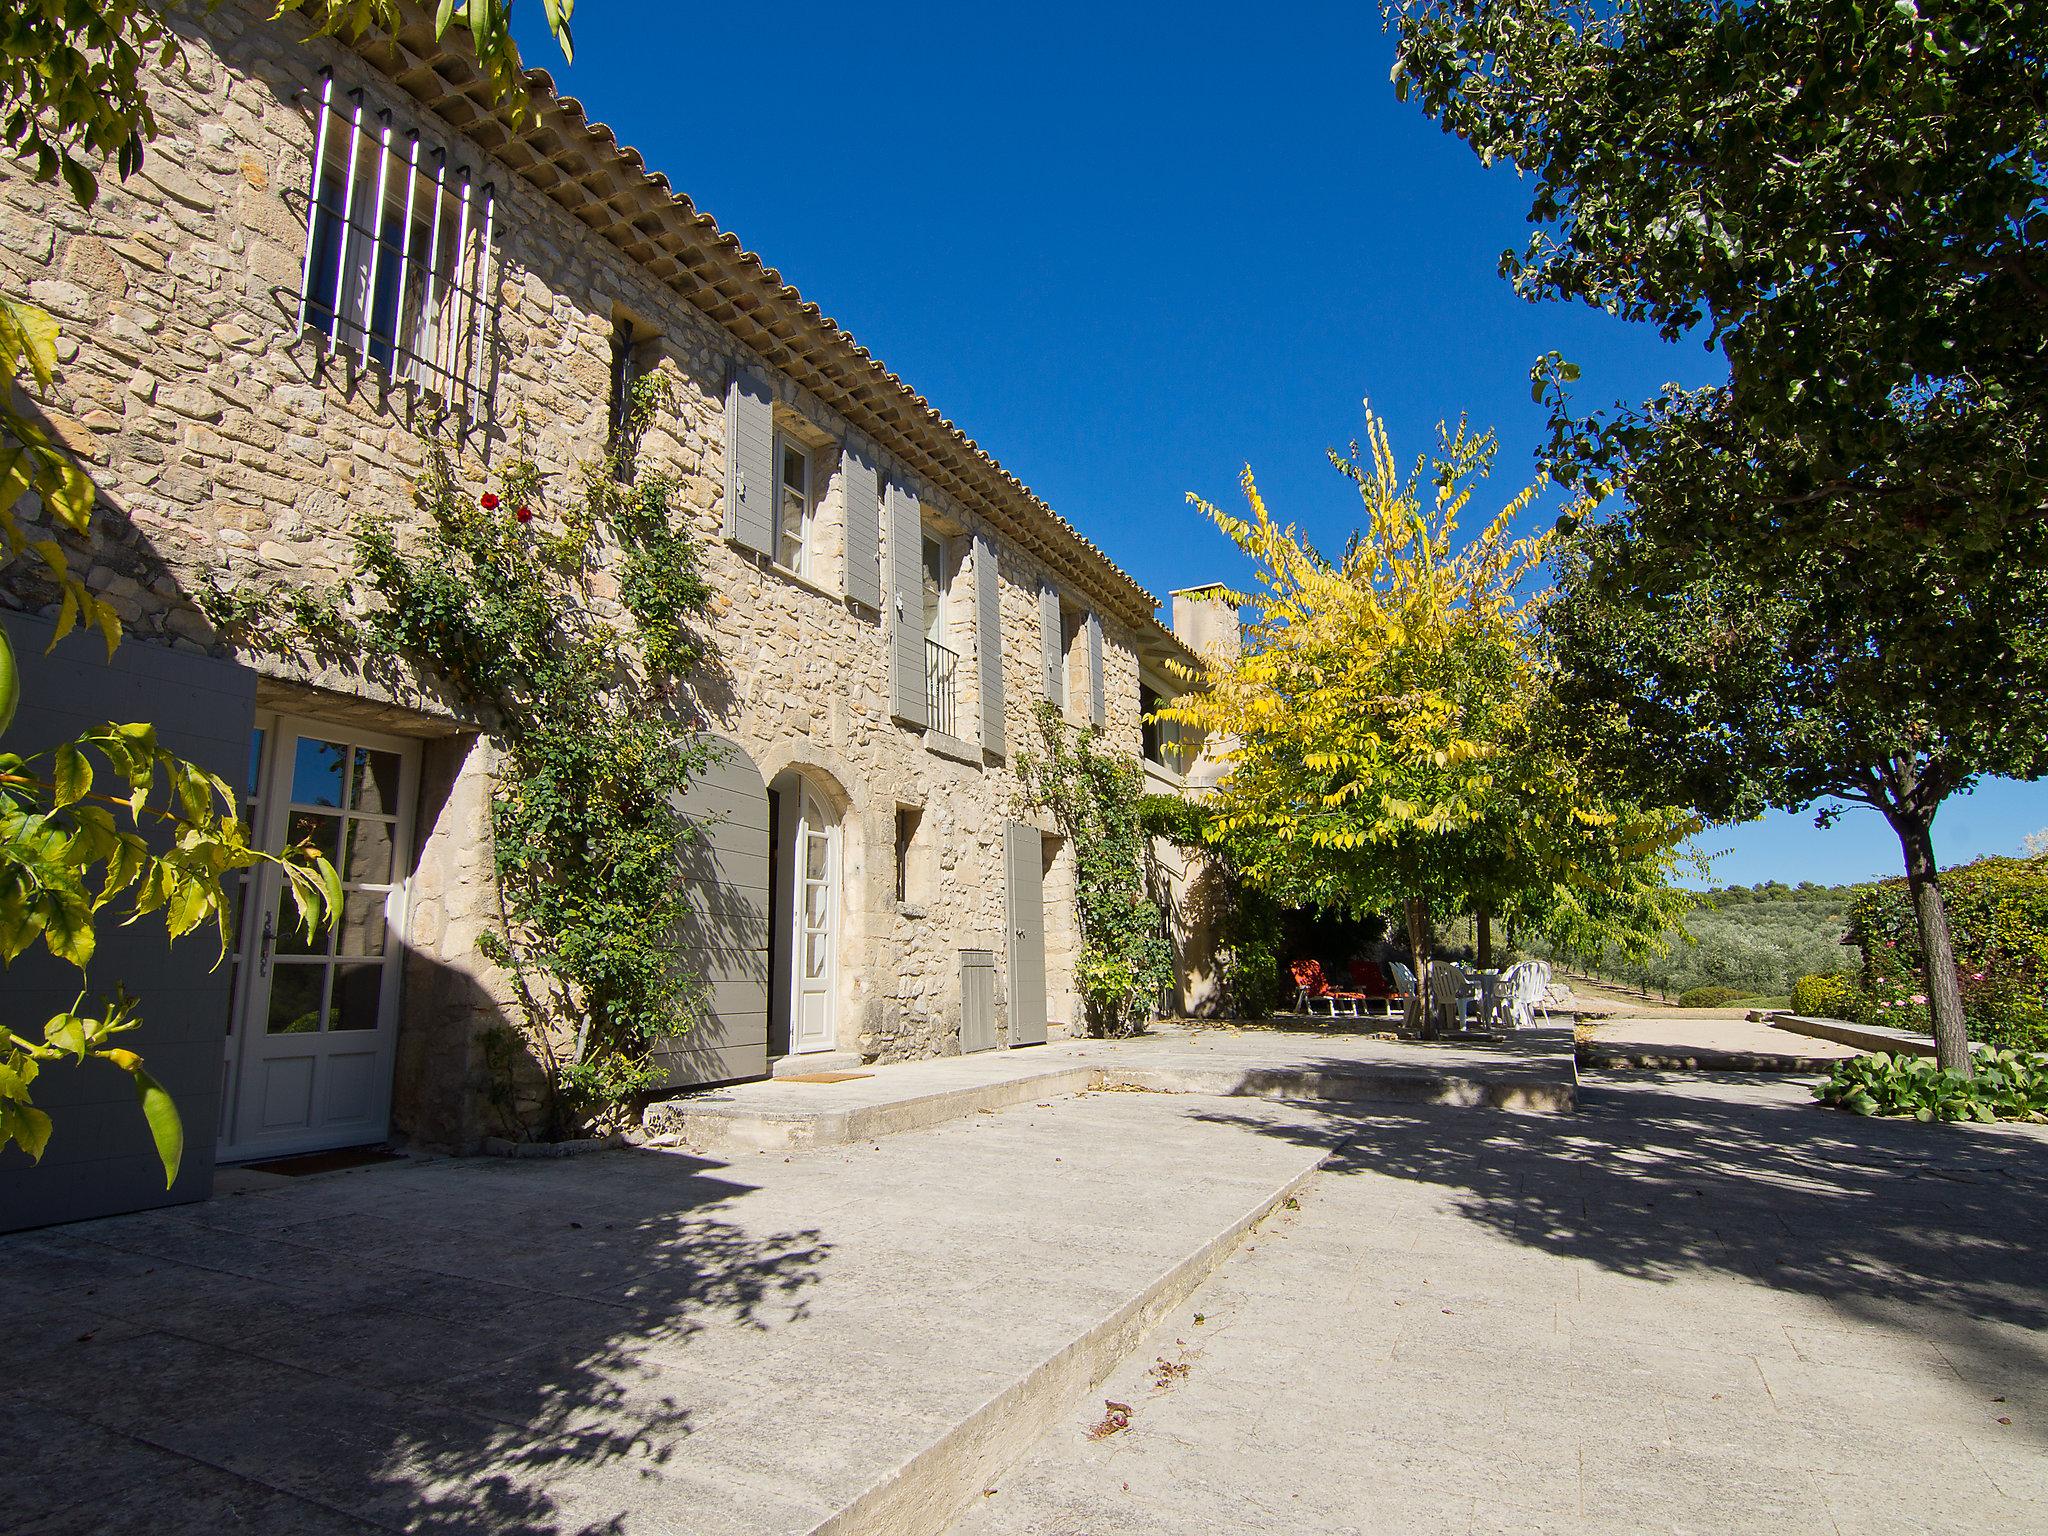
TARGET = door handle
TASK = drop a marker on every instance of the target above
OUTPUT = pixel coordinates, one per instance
(269, 943)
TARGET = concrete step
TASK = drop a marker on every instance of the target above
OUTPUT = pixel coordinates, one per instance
(1864, 1037)
(1532, 1071)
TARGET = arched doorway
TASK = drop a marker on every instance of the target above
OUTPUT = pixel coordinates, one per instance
(806, 904)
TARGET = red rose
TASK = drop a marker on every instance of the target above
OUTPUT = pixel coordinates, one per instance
(523, 513)
(490, 501)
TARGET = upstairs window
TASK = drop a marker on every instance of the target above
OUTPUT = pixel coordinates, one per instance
(796, 506)
(398, 252)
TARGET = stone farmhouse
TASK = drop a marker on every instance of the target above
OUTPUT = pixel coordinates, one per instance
(324, 241)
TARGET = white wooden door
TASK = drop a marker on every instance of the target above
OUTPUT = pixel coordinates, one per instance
(315, 1023)
(813, 963)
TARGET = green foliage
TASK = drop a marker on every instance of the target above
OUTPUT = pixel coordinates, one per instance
(1824, 997)
(2005, 1086)
(108, 822)
(71, 86)
(1998, 916)
(1246, 920)
(488, 22)
(1710, 997)
(1845, 198)
(1754, 941)
(1097, 798)
(586, 846)
(1395, 744)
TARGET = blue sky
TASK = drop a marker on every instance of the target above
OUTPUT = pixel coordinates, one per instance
(1128, 257)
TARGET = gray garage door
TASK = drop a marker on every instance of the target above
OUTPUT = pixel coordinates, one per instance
(725, 943)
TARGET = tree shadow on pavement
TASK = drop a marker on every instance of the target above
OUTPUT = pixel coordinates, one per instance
(511, 1347)
(1937, 1231)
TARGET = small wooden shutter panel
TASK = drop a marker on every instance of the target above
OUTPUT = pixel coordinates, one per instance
(750, 462)
(863, 528)
(1050, 642)
(988, 642)
(1095, 710)
(906, 607)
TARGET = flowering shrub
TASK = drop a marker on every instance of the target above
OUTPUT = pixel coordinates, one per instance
(1998, 914)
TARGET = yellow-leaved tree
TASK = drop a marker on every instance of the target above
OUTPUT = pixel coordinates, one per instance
(1388, 727)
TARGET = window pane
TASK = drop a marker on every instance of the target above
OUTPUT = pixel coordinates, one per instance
(815, 949)
(357, 989)
(375, 787)
(290, 932)
(795, 472)
(361, 929)
(295, 999)
(318, 828)
(369, 852)
(316, 771)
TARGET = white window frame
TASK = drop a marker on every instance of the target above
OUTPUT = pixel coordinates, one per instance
(807, 517)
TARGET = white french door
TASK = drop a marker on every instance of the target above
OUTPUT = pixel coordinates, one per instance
(814, 963)
(314, 1022)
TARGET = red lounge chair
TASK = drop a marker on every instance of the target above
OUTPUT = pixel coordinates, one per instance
(1368, 977)
(1312, 987)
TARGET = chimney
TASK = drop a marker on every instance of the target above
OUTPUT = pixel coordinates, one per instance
(1205, 621)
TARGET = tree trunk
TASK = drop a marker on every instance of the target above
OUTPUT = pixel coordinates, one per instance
(1944, 987)
(1485, 945)
(1424, 1017)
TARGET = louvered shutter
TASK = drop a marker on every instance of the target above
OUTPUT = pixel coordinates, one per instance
(1052, 652)
(988, 642)
(750, 462)
(863, 528)
(906, 607)
(1096, 713)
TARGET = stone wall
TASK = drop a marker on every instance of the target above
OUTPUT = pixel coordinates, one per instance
(228, 446)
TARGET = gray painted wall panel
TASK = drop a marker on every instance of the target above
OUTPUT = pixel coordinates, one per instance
(863, 527)
(1096, 712)
(1050, 644)
(725, 944)
(1024, 884)
(750, 462)
(100, 1159)
(988, 642)
(906, 607)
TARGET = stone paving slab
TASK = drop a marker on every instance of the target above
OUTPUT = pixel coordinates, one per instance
(1532, 1070)
(633, 1341)
(1699, 1305)
(1682, 1030)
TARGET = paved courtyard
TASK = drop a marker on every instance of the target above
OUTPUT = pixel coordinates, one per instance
(1698, 1305)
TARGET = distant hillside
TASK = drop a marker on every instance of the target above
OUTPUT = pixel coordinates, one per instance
(1759, 939)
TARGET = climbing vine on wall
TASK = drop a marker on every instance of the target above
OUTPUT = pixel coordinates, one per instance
(492, 591)
(1094, 795)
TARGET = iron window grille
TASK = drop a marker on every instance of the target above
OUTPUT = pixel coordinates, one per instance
(940, 667)
(398, 253)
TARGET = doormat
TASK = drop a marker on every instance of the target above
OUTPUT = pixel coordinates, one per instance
(326, 1162)
(821, 1077)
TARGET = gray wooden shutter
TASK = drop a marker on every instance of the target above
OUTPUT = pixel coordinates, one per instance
(906, 607)
(750, 462)
(1095, 705)
(988, 642)
(863, 528)
(1052, 651)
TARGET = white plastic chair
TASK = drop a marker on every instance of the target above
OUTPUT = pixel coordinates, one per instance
(1450, 993)
(1524, 990)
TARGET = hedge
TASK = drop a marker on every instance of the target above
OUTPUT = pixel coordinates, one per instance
(1998, 918)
